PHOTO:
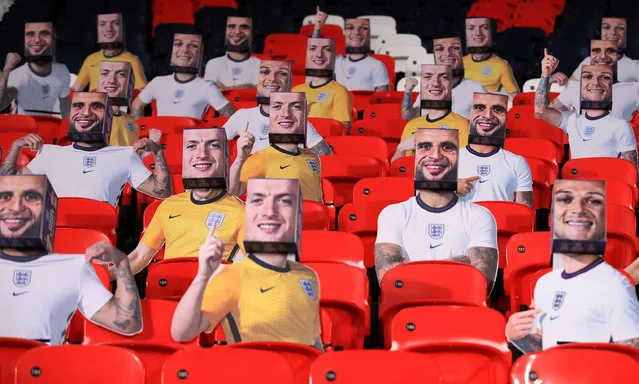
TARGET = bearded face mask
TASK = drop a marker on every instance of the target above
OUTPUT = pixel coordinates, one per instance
(436, 159)
(38, 42)
(239, 34)
(488, 119)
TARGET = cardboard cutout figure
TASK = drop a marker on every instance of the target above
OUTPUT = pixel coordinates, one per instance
(358, 35)
(186, 56)
(273, 218)
(436, 87)
(205, 158)
(239, 34)
(605, 52)
(110, 31)
(116, 78)
(596, 87)
(28, 210)
(448, 51)
(578, 218)
(436, 159)
(287, 118)
(90, 117)
(273, 76)
(615, 28)
(38, 42)
(488, 119)
(479, 35)
(320, 57)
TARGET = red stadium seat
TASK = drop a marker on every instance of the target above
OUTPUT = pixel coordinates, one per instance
(167, 124)
(77, 240)
(299, 356)
(195, 366)
(169, 279)
(149, 211)
(328, 127)
(360, 99)
(74, 364)
(403, 167)
(343, 171)
(360, 146)
(543, 176)
(332, 247)
(176, 183)
(78, 212)
(522, 123)
(533, 148)
(329, 31)
(619, 348)
(48, 127)
(11, 349)
(389, 63)
(528, 98)
(344, 294)
(383, 112)
(328, 195)
(172, 144)
(315, 216)
(389, 130)
(383, 188)
(374, 367)
(25, 156)
(450, 335)
(387, 97)
(602, 168)
(511, 218)
(526, 253)
(18, 123)
(429, 283)
(558, 365)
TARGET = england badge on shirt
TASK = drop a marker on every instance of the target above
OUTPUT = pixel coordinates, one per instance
(21, 278)
(179, 93)
(436, 231)
(486, 70)
(264, 130)
(483, 170)
(307, 287)
(313, 165)
(558, 300)
(215, 217)
(589, 131)
(46, 88)
(321, 97)
(351, 71)
(89, 161)
(236, 71)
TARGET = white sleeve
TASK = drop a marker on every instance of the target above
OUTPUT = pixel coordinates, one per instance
(232, 125)
(37, 166)
(312, 136)
(390, 225)
(93, 295)
(14, 79)
(570, 96)
(214, 97)
(147, 94)
(380, 75)
(577, 73)
(138, 172)
(622, 312)
(254, 72)
(210, 71)
(625, 138)
(483, 230)
(524, 176)
(565, 120)
(65, 79)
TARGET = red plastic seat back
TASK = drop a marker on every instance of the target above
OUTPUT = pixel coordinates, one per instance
(78, 212)
(18, 123)
(601, 168)
(169, 279)
(167, 124)
(11, 349)
(48, 127)
(332, 247)
(533, 148)
(389, 63)
(543, 175)
(382, 112)
(360, 146)
(315, 215)
(343, 171)
(403, 167)
(149, 212)
(522, 123)
(328, 127)
(383, 188)
(524, 250)
(77, 240)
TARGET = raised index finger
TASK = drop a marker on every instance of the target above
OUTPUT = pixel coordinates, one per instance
(545, 51)
(212, 230)
(473, 178)
(246, 128)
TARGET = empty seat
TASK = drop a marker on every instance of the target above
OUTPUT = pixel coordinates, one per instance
(601, 168)
(315, 215)
(343, 171)
(11, 349)
(328, 127)
(169, 279)
(522, 123)
(403, 167)
(18, 123)
(77, 240)
(383, 188)
(332, 247)
(360, 146)
(167, 124)
(78, 212)
(383, 112)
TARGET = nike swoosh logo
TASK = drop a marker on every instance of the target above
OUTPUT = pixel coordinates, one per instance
(435, 246)
(553, 317)
(284, 166)
(586, 139)
(19, 293)
(482, 181)
(85, 171)
(263, 138)
(262, 290)
(176, 102)
(173, 217)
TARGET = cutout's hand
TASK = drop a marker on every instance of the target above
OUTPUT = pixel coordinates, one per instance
(548, 64)
(210, 254)
(464, 186)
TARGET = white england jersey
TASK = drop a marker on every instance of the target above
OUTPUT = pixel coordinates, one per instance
(462, 96)
(594, 305)
(178, 98)
(502, 174)
(360, 75)
(97, 173)
(38, 95)
(258, 127)
(625, 98)
(40, 294)
(231, 72)
(627, 69)
(427, 233)
(604, 136)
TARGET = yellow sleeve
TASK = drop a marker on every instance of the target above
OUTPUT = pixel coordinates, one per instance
(254, 167)
(342, 105)
(138, 72)
(508, 79)
(83, 75)
(153, 236)
(408, 130)
(221, 295)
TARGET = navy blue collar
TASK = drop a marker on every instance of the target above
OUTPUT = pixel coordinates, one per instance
(328, 80)
(437, 210)
(473, 152)
(355, 61)
(262, 111)
(587, 268)
(183, 81)
(262, 264)
(21, 259)
(90, 149)
(238, 61)
(595, 118)
(437, 119)
(284, 151)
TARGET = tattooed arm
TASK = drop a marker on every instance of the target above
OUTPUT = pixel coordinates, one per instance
(542, 95)
(525, 197)
(486, 261)
(519, 331)
(227, 110)
(322, 148)
(558, 105)
(632, 157)
(158, 184)
(529, 344)
(408, 112)
(387, 257)
(10, 165)
(383, 88)
(137, 109)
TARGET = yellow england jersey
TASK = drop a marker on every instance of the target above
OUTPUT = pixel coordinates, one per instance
(183, 223)
(256, 301)
(277, 163)
(91, 68)
(124, 130)
(493, 73)
(449, 121)
(330, 100)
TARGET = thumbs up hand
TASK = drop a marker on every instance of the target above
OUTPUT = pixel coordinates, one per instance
(210, 254)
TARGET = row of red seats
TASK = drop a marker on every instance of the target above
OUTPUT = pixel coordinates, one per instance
(518, 13)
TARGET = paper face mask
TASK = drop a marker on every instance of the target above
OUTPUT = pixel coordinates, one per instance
(320, 57)
(205, 158)
(479, 35)
(615, 28)
(358, 35)
(596, 87)
(436, 159)
(38, 42)
(110, 31)
(448, 51)
(239, 34)
(287, 118)
(273, 76)
(488, 119)
(90, 117)
(436, 87)
(117, 80)
(186, 56)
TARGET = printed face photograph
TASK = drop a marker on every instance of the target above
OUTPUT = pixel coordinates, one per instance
(288, 112)
(21, 205)
(448, 51)
(488, 115)
(274, 76)
(272, 210)
(320, 54)
(186, 50)
(596, 82)
(436, 83)
(203, 153)
(238, 30)
(113, 78)
(603, 52)
(38, 39)
(357, 32)
(614, 28)
(87, 111)
(109, 28)
(436, 154)
(478, 32)
(579, 210)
